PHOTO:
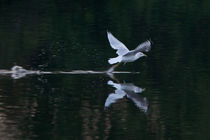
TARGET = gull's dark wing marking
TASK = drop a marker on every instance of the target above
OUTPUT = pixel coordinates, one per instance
(143, 47)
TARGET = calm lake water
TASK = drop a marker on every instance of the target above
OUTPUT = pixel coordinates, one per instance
(168, 99)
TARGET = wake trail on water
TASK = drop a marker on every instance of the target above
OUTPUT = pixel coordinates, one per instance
(18, 72)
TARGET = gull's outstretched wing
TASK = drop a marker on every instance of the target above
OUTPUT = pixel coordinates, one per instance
(131, 87)
(143, 47)
(141, 102)
(117, 45)
(113, 97)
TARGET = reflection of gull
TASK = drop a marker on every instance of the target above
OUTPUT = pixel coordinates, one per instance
(141, 102)
(113, 97)
(130, 91)
(125, 55)
(126, 86)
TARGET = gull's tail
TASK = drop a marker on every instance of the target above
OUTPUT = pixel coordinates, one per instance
(111, 83)
(115, 60)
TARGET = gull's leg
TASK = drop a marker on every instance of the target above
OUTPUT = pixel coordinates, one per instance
(116, 80)
(113, 68)
(116, 65)
(111, 75)
(110, 70)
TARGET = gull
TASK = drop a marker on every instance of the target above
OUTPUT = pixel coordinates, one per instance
(124, 54)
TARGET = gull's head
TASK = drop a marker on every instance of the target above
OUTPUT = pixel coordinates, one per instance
(138, 90)
(140, 54)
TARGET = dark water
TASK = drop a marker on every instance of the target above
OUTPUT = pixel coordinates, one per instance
(67, 35)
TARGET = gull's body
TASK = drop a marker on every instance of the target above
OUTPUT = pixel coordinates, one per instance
(124, 54)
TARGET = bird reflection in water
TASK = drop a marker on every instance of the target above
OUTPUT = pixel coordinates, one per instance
(128, 90)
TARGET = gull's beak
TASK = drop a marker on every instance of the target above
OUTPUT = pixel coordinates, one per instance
(145, 55)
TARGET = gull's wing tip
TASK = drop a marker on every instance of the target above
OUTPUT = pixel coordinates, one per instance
(150, 41)
(108, 33)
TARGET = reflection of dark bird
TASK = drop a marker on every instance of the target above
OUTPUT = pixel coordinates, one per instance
(130, 91)
(125, 55)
